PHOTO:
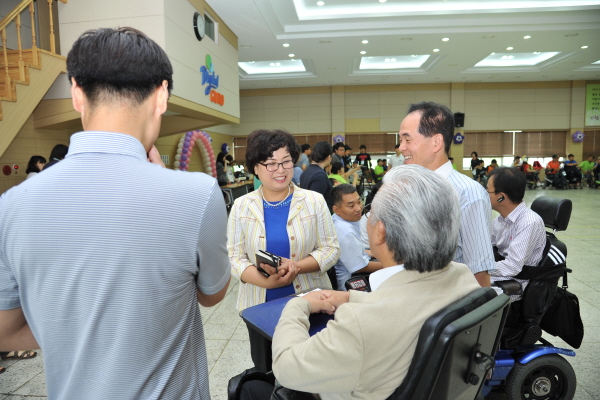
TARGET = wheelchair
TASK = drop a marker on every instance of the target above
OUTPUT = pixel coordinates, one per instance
(574, 177)
(558, 180)
(526, 369)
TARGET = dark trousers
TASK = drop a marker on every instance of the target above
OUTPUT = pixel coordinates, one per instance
(256, 390)
(260, 350)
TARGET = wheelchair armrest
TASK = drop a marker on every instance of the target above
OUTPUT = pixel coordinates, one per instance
(282, 393)
(509, 287)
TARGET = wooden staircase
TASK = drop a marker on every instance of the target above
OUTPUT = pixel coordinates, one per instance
(25, 74)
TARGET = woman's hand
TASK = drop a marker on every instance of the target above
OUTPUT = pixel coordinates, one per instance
(285, 275)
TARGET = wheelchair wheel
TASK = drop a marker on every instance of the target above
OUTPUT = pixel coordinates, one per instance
(549, 377)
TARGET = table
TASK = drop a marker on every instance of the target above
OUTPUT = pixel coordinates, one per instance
(235, 190)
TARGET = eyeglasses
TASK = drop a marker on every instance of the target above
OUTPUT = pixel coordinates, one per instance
(272, 167)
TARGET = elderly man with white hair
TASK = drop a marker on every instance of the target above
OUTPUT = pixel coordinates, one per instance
(365, 352)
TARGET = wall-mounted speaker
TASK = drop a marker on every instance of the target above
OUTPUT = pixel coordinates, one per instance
(459, 120)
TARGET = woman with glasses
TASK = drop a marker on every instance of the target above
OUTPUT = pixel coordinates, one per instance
(283, 219)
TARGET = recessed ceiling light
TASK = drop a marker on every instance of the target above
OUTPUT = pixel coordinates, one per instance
(363, 52)
(286, 45)
(382, 1)
(536, 52)
(508, 57)
(250, 62)
(246, 46)
(527, 37)
(445, 39)
(493, 53)
(436, 50)
(291, 55)
(365, 41)
(584, 47)
(509, 48)
(320, 3)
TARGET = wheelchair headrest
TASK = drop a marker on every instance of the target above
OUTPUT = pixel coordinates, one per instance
(555, 212)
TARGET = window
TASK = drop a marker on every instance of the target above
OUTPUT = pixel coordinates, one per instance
(591, 144)
(541, 143)
(488, 144)
(239, 150)
(209, 27)
(377, 143)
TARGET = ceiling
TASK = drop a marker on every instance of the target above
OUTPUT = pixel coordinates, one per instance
(328, 39)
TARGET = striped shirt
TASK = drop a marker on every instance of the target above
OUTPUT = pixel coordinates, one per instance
(105, 252)
(520, 239)
(474, 243)
(310, 230)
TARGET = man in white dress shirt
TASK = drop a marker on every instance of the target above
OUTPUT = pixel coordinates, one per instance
(397, 159)
(426, 134)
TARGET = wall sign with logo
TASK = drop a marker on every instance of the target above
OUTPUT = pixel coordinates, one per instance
(211, 79)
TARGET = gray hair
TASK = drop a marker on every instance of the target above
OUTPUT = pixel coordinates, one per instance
(421, 215)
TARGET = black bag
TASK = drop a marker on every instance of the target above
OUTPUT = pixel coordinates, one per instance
(562, 318)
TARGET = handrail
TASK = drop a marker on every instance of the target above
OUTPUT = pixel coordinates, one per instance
(13, 14)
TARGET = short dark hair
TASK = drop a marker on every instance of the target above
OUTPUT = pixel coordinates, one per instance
(435, 118)
(31, 167)
(450, 158)
(229, 158)
(510, 181)
(121, 62)
(338, 192)
(347, 147)
(261, 143)
(59, 152)
(338, 145)
(494, 161)
(397, 146)
(321, 151)
(362, 146)
(474, 152)
(517, 157)
(591, 155)
(305, 147)
(570, 155)
(336, 167)
(555, 156)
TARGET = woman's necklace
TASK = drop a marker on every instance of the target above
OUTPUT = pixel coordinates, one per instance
(275, 205)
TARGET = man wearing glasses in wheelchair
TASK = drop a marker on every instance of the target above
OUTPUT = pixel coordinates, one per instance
(518, 233)
(365, 352)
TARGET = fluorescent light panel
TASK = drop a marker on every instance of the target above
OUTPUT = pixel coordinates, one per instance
(597, 62)
(515, 59)
(393, 62)
(272, 67)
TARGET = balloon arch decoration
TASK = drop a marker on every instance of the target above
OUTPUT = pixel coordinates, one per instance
(186, 145)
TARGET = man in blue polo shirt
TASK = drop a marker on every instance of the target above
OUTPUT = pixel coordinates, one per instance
(347, 208)
(110, 292)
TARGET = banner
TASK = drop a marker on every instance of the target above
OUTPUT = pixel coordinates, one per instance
(592, 104)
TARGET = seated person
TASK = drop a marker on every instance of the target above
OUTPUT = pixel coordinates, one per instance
(587, 169)
(347, 209)
(571, 161)
(337, 172)
(379, 171)
(553, 167)
(491, 167)
(366, 351)
(518, 233)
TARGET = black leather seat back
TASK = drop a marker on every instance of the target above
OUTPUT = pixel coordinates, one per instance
(438, 351)
(555, 212)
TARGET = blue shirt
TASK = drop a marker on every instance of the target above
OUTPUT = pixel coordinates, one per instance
(353, 256)
(278, 241)
(105, 252)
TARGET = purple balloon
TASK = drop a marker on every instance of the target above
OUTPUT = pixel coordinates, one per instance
(185, 149)
(184, 157)
(188, 134)
(182, 164)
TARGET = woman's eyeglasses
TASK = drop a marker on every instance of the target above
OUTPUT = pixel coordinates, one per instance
(272, 167)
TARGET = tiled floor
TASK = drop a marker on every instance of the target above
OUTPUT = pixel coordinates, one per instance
(227, 340)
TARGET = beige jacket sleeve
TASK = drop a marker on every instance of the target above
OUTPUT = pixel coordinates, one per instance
(330, 361)
(327, 249)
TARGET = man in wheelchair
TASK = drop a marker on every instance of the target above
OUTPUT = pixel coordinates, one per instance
(365, 352)
(518, 233)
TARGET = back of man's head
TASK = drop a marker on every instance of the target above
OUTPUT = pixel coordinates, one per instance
(510, 181)
(338, 192)
(420, 230)
(336, 167)
(116, 65)
(435, 118)
(321, 151)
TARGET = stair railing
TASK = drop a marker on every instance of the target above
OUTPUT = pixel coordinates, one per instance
(15, 15)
